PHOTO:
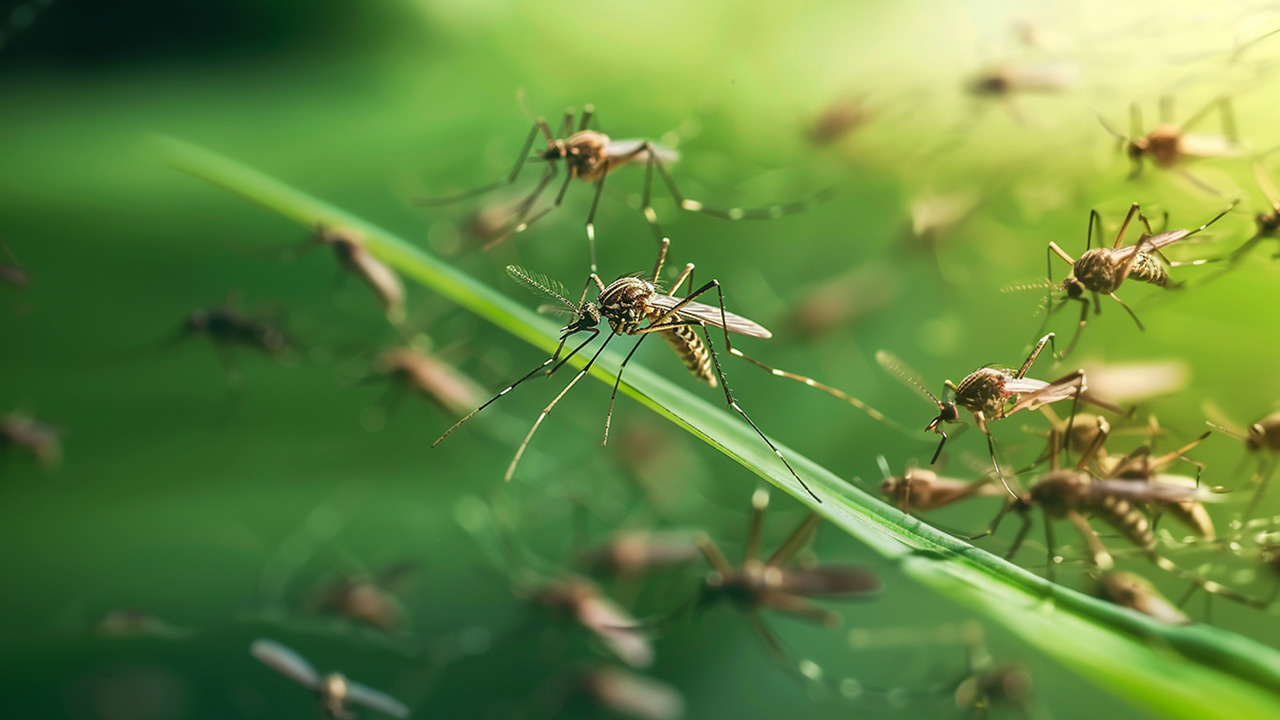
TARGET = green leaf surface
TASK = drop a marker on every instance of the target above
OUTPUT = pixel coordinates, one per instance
(1187, 672)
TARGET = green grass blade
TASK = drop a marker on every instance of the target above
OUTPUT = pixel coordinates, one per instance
(1186, 672)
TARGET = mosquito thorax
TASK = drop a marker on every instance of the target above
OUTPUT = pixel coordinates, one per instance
(1096, 271)
(1162, 144)
(1268, 223)
(585, 154)
(1058, 491)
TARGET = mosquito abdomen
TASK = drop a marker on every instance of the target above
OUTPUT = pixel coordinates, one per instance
(1127, 519)
(1148, 268)
(692, 351)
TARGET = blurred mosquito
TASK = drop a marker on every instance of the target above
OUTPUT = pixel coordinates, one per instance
(920, 490)
(366, 598)
(1169, 145)
(414, 371)
(227, 327)
(590, 156)
(1102, 270)
(770, 584)
(1072, 494)
(41, 441)
(620, 693)
(1268, 223)
(1261, 436)
(1005, 82)
(353, 257)
(586, 605)
(631, 552)
(333, 691)
(839, 119)
(635, 305)
(994, 393)
(988, 684)
(12, 272)
(137, 623)
(1137, 593)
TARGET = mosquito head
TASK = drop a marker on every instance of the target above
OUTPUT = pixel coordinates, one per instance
(948, 413)
(1257, 437)
(555, 150)
(1073, 287)
(990, 84)
(1137, 147)
(588, 317)
(736, 589)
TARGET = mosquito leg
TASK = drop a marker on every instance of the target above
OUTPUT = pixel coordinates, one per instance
(803, 609)
(566, 127)
(662, 258)
(1095, 220)
(1055, 250)
(539, 126)
(1084, 320)
(1022, 372)
(759, 503)
(511, 387)
(647, 197)
(1238, 254)
(794, 541)
(1020, 537)
(591, 221)
(772, 212)
(714, 556)
(1051, 567)
(834, 392)
(1166, 110)
(1124, 227)
(511, 469)
(588, 114)
(616, 382)
(770, 640)
(1132, 314)
(1264, 477)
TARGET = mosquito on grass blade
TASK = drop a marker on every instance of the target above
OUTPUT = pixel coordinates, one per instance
(994, 393)
(636, 305)
(590, 155)
(1102, 270)
(334, 691)
(349, 248)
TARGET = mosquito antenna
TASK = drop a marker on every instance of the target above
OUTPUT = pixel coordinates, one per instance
(1031, 285)
(890, 362)
(539, 283)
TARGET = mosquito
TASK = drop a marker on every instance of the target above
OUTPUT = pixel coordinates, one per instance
(994, 393)
(1102, 270)
(1268, 223)
(631, 552)
(1072, 493)
(839, 119)
(586, 604)
(133, 623)
(348, 247)
(1005, 82)
(770, 584)
(921, 490)
(988, 683)
(366, 598)
(39, 440)
(226, 327)
(414, 371)
(12, 272)
(1141, 464)
(621, 693)
(1170, 145)
(1137, 593)
(1263, 435)
(635, 305)
(590, 155)
(334, 691)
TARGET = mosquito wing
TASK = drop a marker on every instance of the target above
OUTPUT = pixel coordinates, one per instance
(1144, 491)
(711, 316)
(1264, 182)
(900, 370)
(1151, 244)
(1217, 416)
(628, 149)
(1035, 393)
(375, 700)
(286, 662)
(1206, 146)
(617, 629)
(634, 696)
(829, 580)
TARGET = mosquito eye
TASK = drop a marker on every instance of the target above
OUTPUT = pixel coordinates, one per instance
(950, 413)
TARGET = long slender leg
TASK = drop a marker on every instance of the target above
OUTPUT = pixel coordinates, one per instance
(564, 187)
(1132, 314)
(661, 323)
(591, 221)
(1053, 248)
(1051, 566)
(539, 126)
(1020, 537)
(774, 211)
(616, 382)
(511, 387)
(1166, 109)
(834, 392)
(551, 406)
(759, 503)
(1022, 372)
(646, 198)
(520, 216)
(803, 609)
(1124, 227)
(1084, 320)
(714, 556)
(588, 114)
(1099, 557)
(566, 127)
(1095, 219)
(1264, 478)
(796, 540)
(657, 264)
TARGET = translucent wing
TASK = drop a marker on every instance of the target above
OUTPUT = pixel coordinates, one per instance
(1264, 182)
(540, 284)
(623, 148)
(1035, 393)
(617, 629)
(1206, 146)
(711, 316)
(1027, 385)
(375, 700)
(1151, 244)
(899, 369)
(286, 662)
(830, 580)
(634, 696)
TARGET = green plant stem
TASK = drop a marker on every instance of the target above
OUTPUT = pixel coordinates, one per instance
(1186, 671)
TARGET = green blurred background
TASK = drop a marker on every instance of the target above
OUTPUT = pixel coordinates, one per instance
(221, 512)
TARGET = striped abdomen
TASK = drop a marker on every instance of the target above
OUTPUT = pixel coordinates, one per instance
(1126, 518)
(1148, 269)
(692, 350)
